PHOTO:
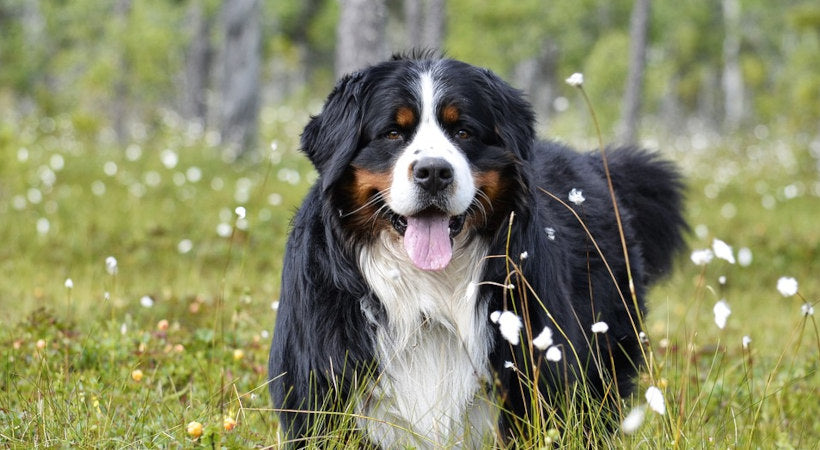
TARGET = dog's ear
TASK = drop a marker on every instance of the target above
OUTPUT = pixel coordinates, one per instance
(512, 114)
(331, 138)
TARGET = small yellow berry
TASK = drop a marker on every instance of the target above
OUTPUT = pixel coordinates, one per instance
(229, 423)
(136, 375)
(194, 429)
(238, 354)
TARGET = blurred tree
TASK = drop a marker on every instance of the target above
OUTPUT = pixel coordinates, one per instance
(116, 68)
(360, 35)
(627, 132)
(425, 21)
(198, 62)
(120, 104)
(732, 78)
(239, 100)
(536, 75)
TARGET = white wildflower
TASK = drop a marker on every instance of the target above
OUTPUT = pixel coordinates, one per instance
(509, 365)
(509, 324)
(654, 397)
(633, 420)
(722, 280)
(111, 265)
(746, 340)
(553, 354)
(544, 339)
(184, 246)
(744, 257)
(600, 327)
(241, 212)
(169, 158)
(524, 255)
(807, 309)
(643, 337)
(43, 225)
(787, 286)
(69, 283)
(702, 257)
(576, 79)
(224, 230)
(274, 305)
(576, 196)
(722, 313)
(723, 251)
(146, 301)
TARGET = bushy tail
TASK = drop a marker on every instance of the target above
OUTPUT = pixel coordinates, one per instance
(651, 189)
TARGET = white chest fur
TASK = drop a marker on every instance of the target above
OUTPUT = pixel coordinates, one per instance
(432, 353)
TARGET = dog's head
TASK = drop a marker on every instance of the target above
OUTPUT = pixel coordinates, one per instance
(424, 148)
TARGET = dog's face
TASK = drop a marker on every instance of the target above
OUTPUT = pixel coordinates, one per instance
(425, 149)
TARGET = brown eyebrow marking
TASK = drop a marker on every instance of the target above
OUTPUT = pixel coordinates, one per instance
(405, 117)
(450, 114)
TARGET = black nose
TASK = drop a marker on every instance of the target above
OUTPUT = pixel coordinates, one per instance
(432, 174)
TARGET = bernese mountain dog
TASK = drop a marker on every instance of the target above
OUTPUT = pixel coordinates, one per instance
(440, 241)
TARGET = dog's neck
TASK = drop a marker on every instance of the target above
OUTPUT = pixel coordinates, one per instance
(432, 346)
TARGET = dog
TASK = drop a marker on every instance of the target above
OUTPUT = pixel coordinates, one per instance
(440, 239)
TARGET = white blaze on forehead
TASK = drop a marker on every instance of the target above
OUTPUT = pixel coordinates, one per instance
(430, 140)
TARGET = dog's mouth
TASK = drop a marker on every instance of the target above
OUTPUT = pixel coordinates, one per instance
(428, 236)
(454, 225)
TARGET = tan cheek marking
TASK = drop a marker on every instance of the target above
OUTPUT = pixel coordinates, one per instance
(450, 114)
(405, 117)
(489, 182)
(366, 183)
(495, 190)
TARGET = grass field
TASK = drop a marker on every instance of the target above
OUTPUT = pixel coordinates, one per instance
(128, 355)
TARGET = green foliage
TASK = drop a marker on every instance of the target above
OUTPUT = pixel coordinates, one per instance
(96, 63)
(607, 68)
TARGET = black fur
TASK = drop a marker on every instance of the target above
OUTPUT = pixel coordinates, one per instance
(323, 344)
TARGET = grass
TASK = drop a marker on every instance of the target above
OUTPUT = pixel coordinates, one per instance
(69, 355)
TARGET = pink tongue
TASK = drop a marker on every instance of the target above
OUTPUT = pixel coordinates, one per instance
(427, 241)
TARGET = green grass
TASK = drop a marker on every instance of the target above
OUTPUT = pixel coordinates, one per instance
(68, 354)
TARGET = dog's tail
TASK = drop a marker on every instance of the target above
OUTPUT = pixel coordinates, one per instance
(652, 190)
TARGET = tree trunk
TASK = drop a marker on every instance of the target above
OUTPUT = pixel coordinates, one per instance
(537, 77)
(122, 9)
(631, 107)
(732, 77)
(198, 62)
(425, 21)
(240, 82)
(360, 35)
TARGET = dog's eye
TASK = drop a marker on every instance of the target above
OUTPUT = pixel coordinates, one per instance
(393, 135)
(463, 134)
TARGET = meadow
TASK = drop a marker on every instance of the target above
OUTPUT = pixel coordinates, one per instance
(140, 281)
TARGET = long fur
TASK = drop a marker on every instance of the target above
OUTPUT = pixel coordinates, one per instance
(360, 329)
